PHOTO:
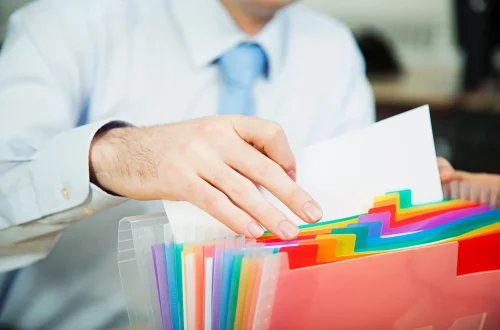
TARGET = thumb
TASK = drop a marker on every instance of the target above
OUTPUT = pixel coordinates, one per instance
(446, 171)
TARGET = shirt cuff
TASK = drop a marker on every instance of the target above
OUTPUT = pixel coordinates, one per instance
(59, 176)
(27, 243)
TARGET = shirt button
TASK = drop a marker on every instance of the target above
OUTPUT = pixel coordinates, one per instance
(65, 193)
(87, 211)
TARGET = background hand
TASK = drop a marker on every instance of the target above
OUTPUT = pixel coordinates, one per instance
(211, 162)
(479, 187)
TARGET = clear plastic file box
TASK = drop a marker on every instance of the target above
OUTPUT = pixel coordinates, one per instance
(454, 285)
(136, 235)
(397, 266)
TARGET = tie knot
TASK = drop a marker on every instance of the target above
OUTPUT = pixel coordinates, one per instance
(243, 64)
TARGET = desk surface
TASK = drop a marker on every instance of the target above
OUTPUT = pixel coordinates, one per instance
(437, 87)
(440, 88)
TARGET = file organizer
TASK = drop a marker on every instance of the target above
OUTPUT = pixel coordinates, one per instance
(136, 235)
(398, 266)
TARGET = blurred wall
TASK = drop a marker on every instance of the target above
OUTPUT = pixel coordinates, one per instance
(422, 31)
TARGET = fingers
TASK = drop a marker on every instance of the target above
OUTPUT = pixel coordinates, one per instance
(269, 163)
(449, 174)
(260, 169)
(218, 205)
(269, 138)
(474, 191)
(245, 195)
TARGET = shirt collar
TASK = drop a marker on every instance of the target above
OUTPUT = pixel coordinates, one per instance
(208, 31)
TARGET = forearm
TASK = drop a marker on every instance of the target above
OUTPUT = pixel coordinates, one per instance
(41, 197)
(56, 179)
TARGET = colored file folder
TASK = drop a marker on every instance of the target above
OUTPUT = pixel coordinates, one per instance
(441, 270)
(408, 289)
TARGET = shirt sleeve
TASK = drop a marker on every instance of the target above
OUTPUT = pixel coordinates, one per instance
(46, 69)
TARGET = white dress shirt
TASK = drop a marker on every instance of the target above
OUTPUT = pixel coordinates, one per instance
(70, 67)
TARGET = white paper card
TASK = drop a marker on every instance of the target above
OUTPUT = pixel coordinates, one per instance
(345, 173)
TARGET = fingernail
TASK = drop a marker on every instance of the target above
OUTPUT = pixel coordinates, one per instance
(288, 229)
(255, 230)
(292, 175)
(313, 212)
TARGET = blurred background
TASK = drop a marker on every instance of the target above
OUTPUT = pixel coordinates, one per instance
(445, 53)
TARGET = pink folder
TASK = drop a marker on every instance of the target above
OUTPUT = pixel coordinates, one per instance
(408, 289)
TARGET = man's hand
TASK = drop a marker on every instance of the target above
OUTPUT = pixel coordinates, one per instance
(480, 187)
(212, 163)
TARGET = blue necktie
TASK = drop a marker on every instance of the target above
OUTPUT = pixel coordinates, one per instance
(240, 67)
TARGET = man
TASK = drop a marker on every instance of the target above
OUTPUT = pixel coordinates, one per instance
(98, 101)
